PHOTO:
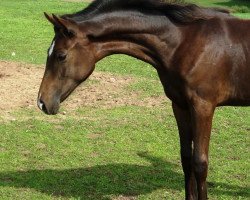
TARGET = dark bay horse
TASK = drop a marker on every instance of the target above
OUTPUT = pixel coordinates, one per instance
(202, 56)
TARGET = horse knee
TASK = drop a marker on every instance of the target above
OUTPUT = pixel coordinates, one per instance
(201, 166)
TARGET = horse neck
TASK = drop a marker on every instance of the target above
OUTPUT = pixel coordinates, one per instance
(146, 37)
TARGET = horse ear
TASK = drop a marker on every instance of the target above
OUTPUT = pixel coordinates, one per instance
(49, 18)
(68, 26)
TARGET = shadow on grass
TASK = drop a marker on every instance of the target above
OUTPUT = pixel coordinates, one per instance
(218, 189)
(100, 182)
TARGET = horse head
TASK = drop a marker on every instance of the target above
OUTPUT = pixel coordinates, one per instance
(70, 61)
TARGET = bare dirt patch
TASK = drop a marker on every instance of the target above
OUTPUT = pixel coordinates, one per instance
(19, 84)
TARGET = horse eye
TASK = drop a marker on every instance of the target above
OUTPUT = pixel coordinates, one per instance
(61, 56)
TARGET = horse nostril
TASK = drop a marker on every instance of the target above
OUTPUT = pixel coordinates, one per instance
(41, 105)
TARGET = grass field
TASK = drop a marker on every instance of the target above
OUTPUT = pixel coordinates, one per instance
(95, 152)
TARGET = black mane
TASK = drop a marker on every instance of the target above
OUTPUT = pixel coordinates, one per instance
(178, 12)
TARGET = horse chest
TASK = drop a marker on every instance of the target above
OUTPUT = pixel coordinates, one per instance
(174, 88)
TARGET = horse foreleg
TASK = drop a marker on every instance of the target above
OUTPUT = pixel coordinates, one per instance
(202, 115)
(185, 132)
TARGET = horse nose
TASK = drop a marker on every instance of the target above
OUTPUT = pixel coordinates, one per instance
(41, 105)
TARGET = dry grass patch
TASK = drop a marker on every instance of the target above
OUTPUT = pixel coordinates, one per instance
(20, 84)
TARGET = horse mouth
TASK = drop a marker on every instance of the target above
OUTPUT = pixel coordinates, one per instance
(49, 110)
(53, 111)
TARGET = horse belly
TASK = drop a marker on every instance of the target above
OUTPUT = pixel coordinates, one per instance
(240, 77)
(241, 94)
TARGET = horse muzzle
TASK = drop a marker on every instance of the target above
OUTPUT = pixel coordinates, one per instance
(49, 109)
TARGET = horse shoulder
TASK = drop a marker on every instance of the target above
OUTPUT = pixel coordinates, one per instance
(202, 62)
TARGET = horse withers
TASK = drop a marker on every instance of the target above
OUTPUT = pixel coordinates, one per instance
(202, 56)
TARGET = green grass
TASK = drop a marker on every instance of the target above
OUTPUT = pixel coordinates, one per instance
(25, 30)
(101, 153)
(240, 8)
(129, 151)
(243, 15)
(236, 6)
